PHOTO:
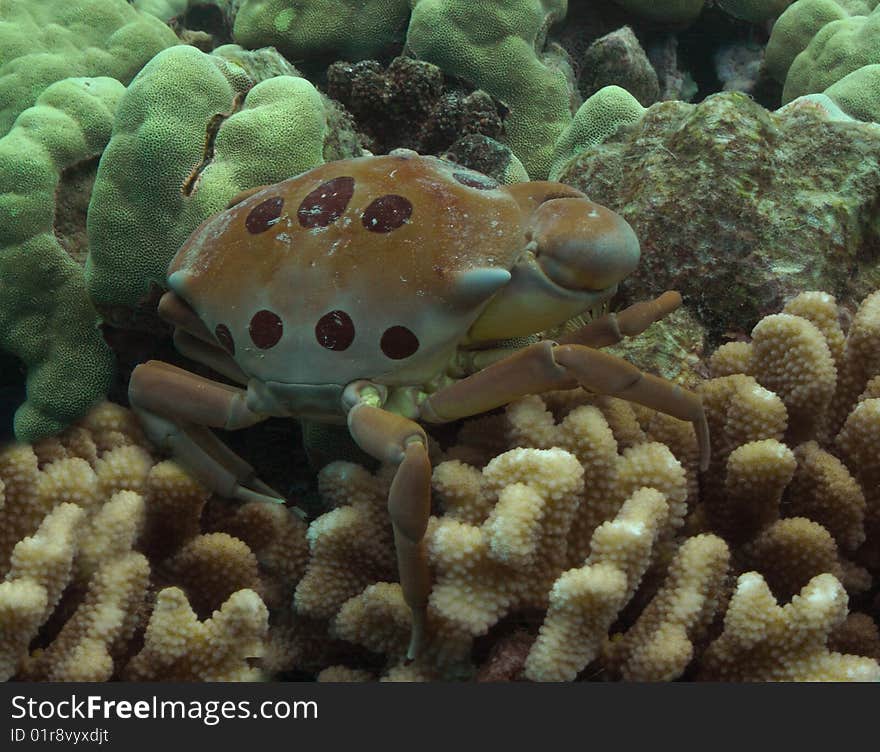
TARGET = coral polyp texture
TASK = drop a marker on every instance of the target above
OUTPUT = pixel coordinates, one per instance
(108, 573)
(573, 527)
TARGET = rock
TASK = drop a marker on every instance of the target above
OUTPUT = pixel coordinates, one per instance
(739, 208)
(618, 58)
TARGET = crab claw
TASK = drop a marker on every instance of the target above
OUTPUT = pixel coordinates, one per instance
(581, 245)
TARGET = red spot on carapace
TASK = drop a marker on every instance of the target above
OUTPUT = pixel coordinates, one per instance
(326, 203)
(265, 329)
(387, 213)
(399, 342)
(335, 330)
(224, 337)
(264, 215)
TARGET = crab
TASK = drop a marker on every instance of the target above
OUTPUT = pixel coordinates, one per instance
(383, 292)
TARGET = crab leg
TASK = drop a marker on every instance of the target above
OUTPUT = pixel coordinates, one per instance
(177, 407)
(193, 340)
(392, 438)
(613, 327)
(545, 366)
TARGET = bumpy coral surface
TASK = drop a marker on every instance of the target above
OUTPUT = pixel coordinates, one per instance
(572, 539)
(109, 574)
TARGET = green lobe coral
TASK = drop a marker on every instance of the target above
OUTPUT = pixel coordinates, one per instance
(46, 319)
(498, 47)
(352, 29)
(192, 131)
(46, 41)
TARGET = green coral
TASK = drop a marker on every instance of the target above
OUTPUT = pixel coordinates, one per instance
(193, 130)
(498, 47)
(831, 46)
(351, 29)
(45, 41)
(837, 50)
(46, 319)
(858, 93)
(794, 30)
(598, 118)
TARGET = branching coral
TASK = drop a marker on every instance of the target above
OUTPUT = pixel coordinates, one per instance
(91, 524)
(571, 531)
(624, 553)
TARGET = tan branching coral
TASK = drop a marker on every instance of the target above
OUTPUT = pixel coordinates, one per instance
(585, 601)
(660, 645)
(763, 641)
(784, 500)
(572, 536)
(179, 647)
(90, 524)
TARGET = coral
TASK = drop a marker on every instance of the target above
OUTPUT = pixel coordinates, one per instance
(46, 318)
(45, 42)
(500, 48)
(585, 601)
(326, 30)
(192, 130)
(178, 647)
(763, 641)
(740, 208)
(623, 572)
(838, 48)
(597, 119)
(829, 46)
(660, 645)
(91, 524)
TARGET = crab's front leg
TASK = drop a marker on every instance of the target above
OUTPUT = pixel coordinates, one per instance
(391, 438)
(546, 365)
(178, 408)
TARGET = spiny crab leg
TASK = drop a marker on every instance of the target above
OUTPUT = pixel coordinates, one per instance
(177, 407)
(613, 327)
(545, 365)
(391, 438)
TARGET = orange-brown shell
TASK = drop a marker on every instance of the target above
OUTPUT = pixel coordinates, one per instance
(340, 272)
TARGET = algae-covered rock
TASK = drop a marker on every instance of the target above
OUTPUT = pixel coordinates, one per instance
(738, 207)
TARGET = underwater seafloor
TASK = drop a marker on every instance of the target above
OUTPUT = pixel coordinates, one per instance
(573, 536)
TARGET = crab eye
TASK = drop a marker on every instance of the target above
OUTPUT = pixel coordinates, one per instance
(399, 342)
(265, 329)
(387, 213)
(264, 215)
(335, 330)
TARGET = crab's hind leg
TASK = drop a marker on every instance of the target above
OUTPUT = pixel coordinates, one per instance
(178, 409)
(391, 438)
